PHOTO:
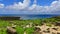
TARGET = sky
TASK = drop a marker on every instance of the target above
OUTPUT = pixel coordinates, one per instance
(30, 7)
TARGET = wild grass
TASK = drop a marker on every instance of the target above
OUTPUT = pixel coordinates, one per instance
(22, 23)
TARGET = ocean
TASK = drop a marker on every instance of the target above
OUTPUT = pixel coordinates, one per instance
(31, 16)
(37, 16)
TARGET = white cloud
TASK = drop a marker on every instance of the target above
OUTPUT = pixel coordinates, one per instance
(1, 5)
(54, 8)
(24, 8)
(19, 6)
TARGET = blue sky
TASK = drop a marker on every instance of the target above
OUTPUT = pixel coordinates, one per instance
(39, 2)
(28, 7)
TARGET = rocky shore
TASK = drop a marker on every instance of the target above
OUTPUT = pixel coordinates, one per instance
(43, 29)
(36, 26)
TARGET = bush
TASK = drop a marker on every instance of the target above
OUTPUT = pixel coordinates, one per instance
(19, 30)
(30, 30)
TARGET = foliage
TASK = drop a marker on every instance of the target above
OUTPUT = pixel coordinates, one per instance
(19, 30)
(30, 30)
(21, 23)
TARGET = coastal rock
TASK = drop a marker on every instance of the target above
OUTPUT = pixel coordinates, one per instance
(53, 33)
(58, 33)
(10, 30)
(27, 26)
(46, 31)
(58, 24)
(55, 29)
(13, 26)
(37, 29)
(37, 32)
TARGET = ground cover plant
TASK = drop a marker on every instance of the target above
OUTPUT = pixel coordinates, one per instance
(21, 24)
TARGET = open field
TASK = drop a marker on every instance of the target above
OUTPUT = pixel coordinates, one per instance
(28, 26)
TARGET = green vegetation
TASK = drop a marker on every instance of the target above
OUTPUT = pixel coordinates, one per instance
(22, 23)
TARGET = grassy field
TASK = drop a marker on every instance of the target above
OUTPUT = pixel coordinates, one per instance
(20, 24)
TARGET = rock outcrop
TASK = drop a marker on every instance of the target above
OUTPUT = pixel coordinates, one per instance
(11, 30)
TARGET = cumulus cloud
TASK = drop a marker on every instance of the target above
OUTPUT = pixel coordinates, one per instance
(19, 5)
(24, 8)
(54, 8)
(1, 5)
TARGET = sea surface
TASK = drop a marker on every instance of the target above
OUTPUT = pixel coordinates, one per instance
(24, 17)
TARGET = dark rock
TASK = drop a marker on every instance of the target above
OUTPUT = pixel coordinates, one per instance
(57, 24)
(55, 28)
(46, 31)
(13, 27)
(36, 24)
(48, 28)
(58, 33)
(37, 32)
(37, 29)
(53, 33)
